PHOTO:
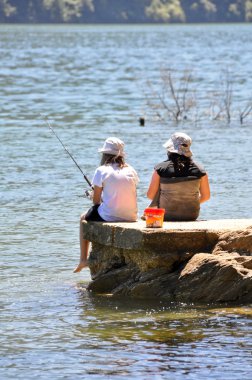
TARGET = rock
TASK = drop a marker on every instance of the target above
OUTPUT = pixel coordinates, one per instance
(183, 262)
(215, 278)
(239, 242)
(103, 259)
(110, 281)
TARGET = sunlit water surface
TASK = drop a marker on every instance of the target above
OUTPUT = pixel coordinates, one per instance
(90, 81)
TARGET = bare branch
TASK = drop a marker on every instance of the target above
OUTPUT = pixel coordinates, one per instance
(247, 110)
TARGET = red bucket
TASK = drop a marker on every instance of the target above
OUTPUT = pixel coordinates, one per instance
(154, 217)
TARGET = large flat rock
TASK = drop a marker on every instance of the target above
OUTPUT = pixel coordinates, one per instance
(201, 261)
(218, 225)
(196, 236)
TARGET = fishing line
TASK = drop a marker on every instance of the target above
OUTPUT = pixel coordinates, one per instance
(65, 148)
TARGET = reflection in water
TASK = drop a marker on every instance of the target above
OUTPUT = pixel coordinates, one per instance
(167, 338)
(118, 320)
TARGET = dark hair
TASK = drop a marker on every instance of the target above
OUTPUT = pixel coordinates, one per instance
(108, 159)
(181, 163)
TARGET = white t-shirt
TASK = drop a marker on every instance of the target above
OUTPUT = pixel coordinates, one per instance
(119, 198)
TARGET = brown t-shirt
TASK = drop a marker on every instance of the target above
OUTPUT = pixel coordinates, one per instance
(179, 189)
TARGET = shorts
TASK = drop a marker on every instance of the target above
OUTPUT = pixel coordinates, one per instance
(93, 215)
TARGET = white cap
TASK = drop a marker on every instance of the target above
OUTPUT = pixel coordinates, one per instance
(179, 143)
(113, 146)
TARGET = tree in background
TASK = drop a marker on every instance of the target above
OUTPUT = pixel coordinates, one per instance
(125, 11)
(67, 10)
(118, 11)
(201, 10)
(165, 10)
(248, 10)
(44, 10)
(236, 9)
(6, 10)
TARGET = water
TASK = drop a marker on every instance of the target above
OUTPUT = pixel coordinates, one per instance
(90, 81)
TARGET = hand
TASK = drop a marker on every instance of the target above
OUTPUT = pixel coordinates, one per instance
(89, 194)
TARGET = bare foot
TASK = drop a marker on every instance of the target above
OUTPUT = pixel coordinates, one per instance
(80, 266)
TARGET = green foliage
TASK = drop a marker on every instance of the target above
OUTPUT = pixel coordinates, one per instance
(71, 9)
(248, 10)
(6, 9)
(166, 11)
(67, 10)
(208, 6)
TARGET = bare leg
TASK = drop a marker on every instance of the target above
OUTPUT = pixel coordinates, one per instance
(84, 247)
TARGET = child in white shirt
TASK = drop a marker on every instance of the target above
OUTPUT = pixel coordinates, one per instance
(114, 193)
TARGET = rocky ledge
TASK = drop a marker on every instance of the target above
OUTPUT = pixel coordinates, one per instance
(202, 261)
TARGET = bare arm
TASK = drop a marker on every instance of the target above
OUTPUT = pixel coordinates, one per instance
(154, 186)
(204, 189)
(97, 195)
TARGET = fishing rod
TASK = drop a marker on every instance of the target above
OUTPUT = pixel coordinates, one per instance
(65, 148)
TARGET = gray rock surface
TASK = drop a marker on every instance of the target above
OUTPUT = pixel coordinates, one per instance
(203, 261)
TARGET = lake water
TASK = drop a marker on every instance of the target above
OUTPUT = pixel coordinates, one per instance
(90, 81)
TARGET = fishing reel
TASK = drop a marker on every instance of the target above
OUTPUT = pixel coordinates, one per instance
(87, 194)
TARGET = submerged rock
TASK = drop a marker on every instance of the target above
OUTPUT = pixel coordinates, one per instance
(183, 262)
